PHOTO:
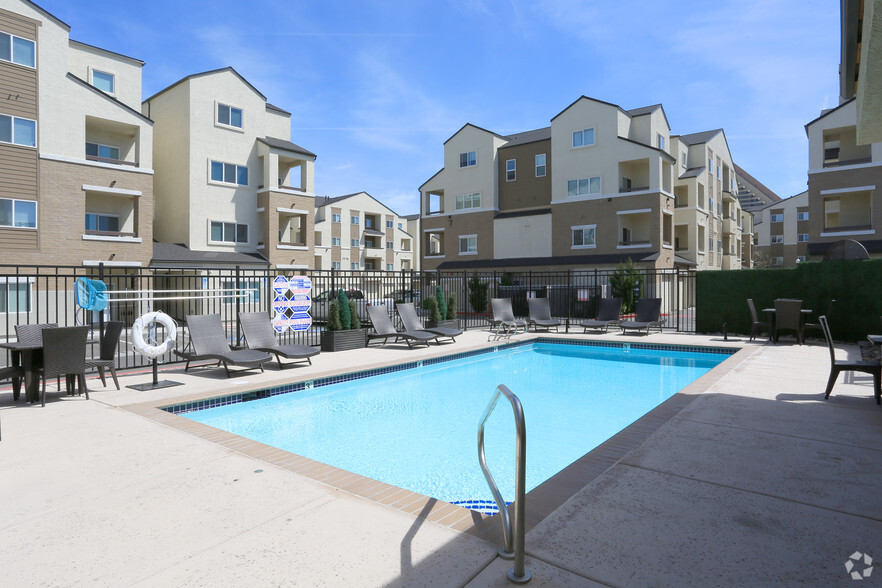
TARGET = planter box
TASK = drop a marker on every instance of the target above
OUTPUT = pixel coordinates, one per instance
(448, 324)
(344, 340)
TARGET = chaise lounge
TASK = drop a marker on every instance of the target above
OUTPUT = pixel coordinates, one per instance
(208, 340)
(540, 314)
(504, 324)
(609, 314)
(384, 329)
(260, 335)
(648, 317)
(411, 322)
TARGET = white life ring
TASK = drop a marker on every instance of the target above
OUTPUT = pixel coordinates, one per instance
(140, 334)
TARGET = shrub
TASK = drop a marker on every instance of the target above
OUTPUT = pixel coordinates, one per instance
(439, 297)
(625, 284)
(431, 305)
(345, 315)
(478, 294)
(333, 317)
(353, 311)
(451, 306)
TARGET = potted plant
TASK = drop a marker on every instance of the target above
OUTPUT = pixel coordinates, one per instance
(343, 330)
(444, 314)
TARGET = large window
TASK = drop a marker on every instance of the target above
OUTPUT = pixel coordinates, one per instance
(107, 223)
(229, 173)
(468, 201)
(228, 232)
(102, 151)
(468, 244)
(511, 170)
(229, 116)
(583, 138)
(583, 186)
(540, 165)
(18, 213)
(104, 81)
(15, 296)
(468, 159)
(583, 236)
(247, 291)
(20, 131)
(18, 50)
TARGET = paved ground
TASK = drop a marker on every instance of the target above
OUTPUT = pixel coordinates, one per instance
(758, 481)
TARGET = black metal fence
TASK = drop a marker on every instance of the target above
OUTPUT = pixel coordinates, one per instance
(46, 294)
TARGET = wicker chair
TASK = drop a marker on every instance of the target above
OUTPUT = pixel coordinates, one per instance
(757, 326)
(608, 315)
(107, 353)
(209, 341)
(259, 335)
(33, 333)
(540, 314)
(64, 354)
(838, 365)
(788, 317)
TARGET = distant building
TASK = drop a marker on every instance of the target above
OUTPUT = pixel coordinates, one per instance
(782, 232)
(753, 194)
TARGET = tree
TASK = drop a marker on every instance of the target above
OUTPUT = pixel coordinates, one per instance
(625, 284)
(345, 314)
(478, 294)
(442, 305)
(353, 312)
(333, 317)
(431, 305)
(451, 307)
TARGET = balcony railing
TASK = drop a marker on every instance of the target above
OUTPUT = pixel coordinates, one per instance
(859, 161)
(634, 243)
(109, 234)
(848, 228)
(624, 190)
(111, 161)
(293, 243)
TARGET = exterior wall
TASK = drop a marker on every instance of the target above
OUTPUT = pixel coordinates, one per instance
(82, 59)
(522, 236)
(280, 254)
(527, 190)
(790, 249)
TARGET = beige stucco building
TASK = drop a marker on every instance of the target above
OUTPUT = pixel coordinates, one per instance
(782, 232)
(598, 186)
(228, 179)
(358, 232)
(75, 150)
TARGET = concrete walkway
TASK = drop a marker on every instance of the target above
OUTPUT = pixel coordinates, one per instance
(758, 481)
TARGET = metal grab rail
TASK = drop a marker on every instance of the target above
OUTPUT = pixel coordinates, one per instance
(513, 535)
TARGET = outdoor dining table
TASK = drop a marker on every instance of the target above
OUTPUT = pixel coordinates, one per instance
(771, 314)
(30, 354)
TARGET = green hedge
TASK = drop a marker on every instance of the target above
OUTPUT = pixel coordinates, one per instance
(721, 296)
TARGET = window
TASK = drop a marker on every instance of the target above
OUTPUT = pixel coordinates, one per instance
(583, 138)
(802, 238)
(583, 236)
(719, 172)
(353, 220)
(390, 224)
(369, 265)
(390, 245)
(711, 202)
(777, 218)
(468, 244)
(335, 265)
(719, 245)
(468, 201)
(102, 222)
(710, 166)
(20, 131)
(390, 267)
(583, 186)
(18, 50)
(229, 116)
(354, 242)
(246, 291)
(335, 218)
(661, 141)
(102, 151)
(15, 296)
(802, 216)
(18, 213)
(540, 165)
(228, 232)
(511, 170)
(399, 226)
(777, 238)
(335, 241)
(229, 173)
(368, 222)
(405, 244)
(468, 159)
(683, 160)
(777, 261)
(353, 265)
(710, 244)
(104, 81)
(801, 259)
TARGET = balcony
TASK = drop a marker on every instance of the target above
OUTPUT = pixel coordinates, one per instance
(634, 228)
(730, 226)
(841, 148)
(111, 214)
(293, 227)
(731, 262)
(848, 213)
(110, 142)
(633, 176)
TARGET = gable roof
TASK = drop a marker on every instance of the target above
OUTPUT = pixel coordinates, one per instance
(756, 183)
(178, 253)
(699, 138)
(475, 127)
(207, 73)
(525, 137)
(103, 50)
(829, 111)
(649, 110)
(285, 146)
(106, 96)
(39, 8)
(277, 109)
(584, 97)
(326, 200)
(661, 151)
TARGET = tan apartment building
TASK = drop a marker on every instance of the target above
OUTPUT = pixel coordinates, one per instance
(230, 185)
(75, 150)
(358, 232)
(782, 232)
(596, 187)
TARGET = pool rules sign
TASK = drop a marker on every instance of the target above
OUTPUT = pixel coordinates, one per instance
(291, 303)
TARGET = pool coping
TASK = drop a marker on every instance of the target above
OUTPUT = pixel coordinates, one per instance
(541, 501)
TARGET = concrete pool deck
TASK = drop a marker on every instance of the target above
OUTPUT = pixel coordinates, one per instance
(756, 480)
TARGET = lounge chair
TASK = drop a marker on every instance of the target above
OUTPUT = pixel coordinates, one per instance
(208, 340)
(411, 322)
(648, 316)
(540, 314)
(383, 329)
(504, 324)
(260, 335)
(839, 365)
(609, 314)
(757, 326)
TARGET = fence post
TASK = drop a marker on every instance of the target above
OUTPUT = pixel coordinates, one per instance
(464, 289)
(570, 301)
(677, 297)
(238, 291)
(101, 313)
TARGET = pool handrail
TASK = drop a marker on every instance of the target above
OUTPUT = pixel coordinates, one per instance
(513, 536)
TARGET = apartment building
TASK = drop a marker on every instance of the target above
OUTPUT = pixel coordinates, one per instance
(75, 150)
(358, 232)
(782, 232)
(230, 185)
(752, 194)
(596, 187)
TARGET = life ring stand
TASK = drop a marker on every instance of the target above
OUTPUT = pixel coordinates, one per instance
(140, 330)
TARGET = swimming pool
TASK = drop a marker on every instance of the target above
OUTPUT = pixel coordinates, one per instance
(415, 426)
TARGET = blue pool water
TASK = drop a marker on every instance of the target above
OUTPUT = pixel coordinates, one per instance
(417, 428)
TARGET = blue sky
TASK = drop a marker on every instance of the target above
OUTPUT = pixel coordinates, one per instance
(376, 87)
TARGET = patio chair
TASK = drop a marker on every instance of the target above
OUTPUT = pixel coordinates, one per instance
(609, 314)
(540, 314)
(383, 329)
(504, 323)
(33, 333)
(648, 316)
(839, 365)
(408, 315)
(260, 335)
(788, 317)
(757, 326)
(14, 373)
(208, 340)
(107, 352)
(64, 354)
(817, 325)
